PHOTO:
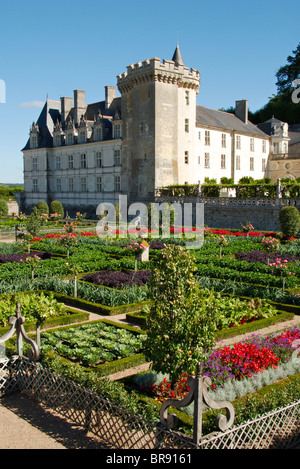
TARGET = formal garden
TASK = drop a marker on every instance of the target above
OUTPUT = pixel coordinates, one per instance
(178, 306)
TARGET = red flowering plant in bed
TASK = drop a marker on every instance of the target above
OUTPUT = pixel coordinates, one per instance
(242, 360)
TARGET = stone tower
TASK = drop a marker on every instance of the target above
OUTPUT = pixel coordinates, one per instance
(158, 102)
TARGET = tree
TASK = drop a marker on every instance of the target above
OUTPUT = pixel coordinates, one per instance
(42, 207)
(288, 73)
(56, 208)
(3, 208)
(181, 327)
(33, 225)
(289, 219)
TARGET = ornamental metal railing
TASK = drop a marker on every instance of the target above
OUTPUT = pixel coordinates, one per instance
(121, 429)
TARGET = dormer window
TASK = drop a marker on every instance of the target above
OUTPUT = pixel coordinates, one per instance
(70, 139)
(34, 136)
(117, 131)
(82, 136)
(33, 141)
(98, 134)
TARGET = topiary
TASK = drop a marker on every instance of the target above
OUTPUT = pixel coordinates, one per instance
(42, 207)
(289, 220)
(3, 208)
(56, 207)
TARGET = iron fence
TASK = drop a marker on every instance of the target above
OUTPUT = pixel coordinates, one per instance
(121, 429)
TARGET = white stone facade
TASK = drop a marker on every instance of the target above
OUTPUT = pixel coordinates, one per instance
(153, 135)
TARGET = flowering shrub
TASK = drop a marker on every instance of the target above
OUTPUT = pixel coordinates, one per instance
(270, 244)
(137, 247)
(247, 227)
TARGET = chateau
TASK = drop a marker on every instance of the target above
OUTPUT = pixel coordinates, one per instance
(152, 135)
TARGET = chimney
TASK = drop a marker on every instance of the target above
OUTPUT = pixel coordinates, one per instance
(110, 95)
(79, 105)
(241, 110)
(66, 106)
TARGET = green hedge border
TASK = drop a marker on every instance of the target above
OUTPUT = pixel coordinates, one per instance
(281, 317)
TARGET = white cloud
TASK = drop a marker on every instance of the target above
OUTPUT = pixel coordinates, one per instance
(32, 104)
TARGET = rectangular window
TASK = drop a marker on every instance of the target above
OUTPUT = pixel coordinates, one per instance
(58, 162)
(263, 164)
(238, 162)
(117, 157)
(186, 157)
(207, 137)
(83, 160)
(58, 185)
(199, 160)
(223, 141)
(70, 162)
(223, 161)
(34, 164)
(98, 159)
(264, 146)
(206, 160)
(251, 163)
(99, 184)
(186, 125)
(251, 144)
(71, 184)
(199, 135)
(117, 183)
(83, 184)
(238, 142)
(35, 187)
(187, 98)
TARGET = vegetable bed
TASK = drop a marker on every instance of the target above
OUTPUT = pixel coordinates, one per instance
(96, 344)
(118, 279)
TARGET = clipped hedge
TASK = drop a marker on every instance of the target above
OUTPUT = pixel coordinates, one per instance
(97, 307)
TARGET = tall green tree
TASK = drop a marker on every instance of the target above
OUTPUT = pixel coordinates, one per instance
(181, 326)
(288, 73)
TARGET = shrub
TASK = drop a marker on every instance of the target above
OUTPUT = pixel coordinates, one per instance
(3, 208)
(56, 207)
(289, 220)
(42, 207)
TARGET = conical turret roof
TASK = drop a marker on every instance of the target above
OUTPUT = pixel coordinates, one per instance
(177, 57)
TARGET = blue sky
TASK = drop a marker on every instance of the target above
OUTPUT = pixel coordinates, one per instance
(53, 47)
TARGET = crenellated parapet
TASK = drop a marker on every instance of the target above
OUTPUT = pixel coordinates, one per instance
(166, 71)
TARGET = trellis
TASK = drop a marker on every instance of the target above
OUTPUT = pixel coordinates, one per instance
(121, 429)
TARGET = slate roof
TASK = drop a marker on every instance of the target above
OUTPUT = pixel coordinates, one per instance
(225, 120)
(177, 57)
(48, 116)
(51, 112)
(294, 138)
